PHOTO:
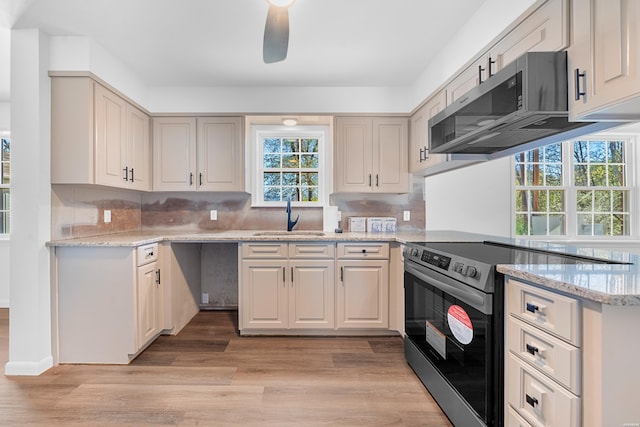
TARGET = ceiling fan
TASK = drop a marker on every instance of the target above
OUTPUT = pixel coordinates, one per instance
(276, 31)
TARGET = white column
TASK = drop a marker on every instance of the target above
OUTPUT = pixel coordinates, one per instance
(30, 336)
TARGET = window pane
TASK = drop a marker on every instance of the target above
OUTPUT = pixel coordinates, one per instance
(597, 175)
(597, 152)
(309, 146)
(309, 194)
(522, 200)
(584, 224)
(290, 161)
(271, 161)
(309, 161)
(522, 226)
(619, 200)
(529, 175)
(271, 145)
(272, 194)
(580, 175)
(553, 175)
(291, 178)
(601, 225)
(620, 225)
(538, 225)
(310, 178)
(519, 174)
(291, 192)
(602, 201)
(584, 202)
(580, 152)
(272, 178)
(616, 175)
(290, 145)
(616, 151)
(538, 201)
(556, 225)
(5, 152)
(556, 201)
(553, 153)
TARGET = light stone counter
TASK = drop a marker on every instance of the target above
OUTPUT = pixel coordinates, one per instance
(604, 283)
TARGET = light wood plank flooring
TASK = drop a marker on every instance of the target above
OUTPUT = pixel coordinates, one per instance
(209, 376)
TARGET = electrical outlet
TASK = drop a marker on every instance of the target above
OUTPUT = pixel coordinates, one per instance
(107, 216)
(406, 216)
(213, 215)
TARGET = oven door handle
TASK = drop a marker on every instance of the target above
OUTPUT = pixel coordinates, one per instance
(475, 298)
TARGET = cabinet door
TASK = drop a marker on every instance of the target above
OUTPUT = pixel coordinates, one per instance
(220, 154)
(264, 294)
(138, 160)
(363, 294)
(545, 30)
(466, 80)
(419, 154)
(604, 60)
(311, 301)
(147, 304)
(390, 147)
(174, 147)
(110, 125)
(353, 156)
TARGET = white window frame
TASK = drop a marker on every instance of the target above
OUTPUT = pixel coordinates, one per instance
(254, 172)
(571, 232)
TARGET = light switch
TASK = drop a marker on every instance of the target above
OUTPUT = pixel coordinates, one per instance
(107, 216)
(406, 216)
(213, 215)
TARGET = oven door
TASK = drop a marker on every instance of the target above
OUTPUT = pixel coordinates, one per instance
(452, 325)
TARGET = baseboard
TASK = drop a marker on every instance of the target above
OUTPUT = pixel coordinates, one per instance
(28, 368)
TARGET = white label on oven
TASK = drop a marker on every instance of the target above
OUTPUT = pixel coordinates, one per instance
(460, 324)
(436, 339)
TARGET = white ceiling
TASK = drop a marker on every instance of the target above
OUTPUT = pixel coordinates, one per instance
(219, 42)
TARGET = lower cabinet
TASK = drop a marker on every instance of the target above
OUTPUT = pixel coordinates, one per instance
(110, 302)
(287, 285)
(363, 285)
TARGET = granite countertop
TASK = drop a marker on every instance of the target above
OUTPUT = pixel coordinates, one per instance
(611, 284)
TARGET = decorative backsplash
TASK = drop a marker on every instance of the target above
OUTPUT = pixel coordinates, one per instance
(78, 211)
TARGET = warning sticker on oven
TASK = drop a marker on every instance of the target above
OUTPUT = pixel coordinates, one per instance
(436, 339)
(460, 324)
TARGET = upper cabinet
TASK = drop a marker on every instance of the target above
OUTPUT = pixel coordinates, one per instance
(97, 137)
(198, 154)
(604, 60)
(371, 155)
(419, 157)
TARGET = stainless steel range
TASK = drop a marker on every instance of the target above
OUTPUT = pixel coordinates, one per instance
(454, 323)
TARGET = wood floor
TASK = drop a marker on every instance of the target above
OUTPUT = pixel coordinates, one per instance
(209, 376)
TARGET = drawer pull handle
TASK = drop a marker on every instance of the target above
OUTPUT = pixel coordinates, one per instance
(532, 307)
(532, 349)
(532, 401)
(364, 251)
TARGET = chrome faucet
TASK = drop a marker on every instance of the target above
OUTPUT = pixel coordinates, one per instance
(290, 224)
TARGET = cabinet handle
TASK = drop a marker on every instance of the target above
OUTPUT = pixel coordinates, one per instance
(377, 180)
(369, 180)
(284, 273)
(480, 70)
(190, 178)
(342, 275)
(421, 155)
(364, 251)
(292, 277)
(578, 76)
(157, 276)
(426, 154)
(532, 349)
(532, 307)
(131, 174)
(531, 400)
(126, 173)
(491, 62)
(200, 179)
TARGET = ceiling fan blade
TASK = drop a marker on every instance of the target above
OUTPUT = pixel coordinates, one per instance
(276, 35)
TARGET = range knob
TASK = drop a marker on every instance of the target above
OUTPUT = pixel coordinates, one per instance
(458, 267)
(414, 252)
(470, 272)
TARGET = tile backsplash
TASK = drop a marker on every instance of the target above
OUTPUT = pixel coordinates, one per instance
(78, 211)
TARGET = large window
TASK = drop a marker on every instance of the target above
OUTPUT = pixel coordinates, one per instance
(574, 189)
(5, 181)
(289, 165)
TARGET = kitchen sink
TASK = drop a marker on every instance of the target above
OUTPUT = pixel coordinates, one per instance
(289, 233)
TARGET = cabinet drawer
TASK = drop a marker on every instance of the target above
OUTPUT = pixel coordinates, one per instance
(554, 313)
(147, 254)
(538, 399)
(312, 250)
(264, 250)
(554, 357)
(515, 420)
(359, 250)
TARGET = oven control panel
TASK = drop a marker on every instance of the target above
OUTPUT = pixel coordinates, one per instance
(436, 260)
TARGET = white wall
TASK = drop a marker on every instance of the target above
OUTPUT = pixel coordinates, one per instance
(4, 273)
(476, 199)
